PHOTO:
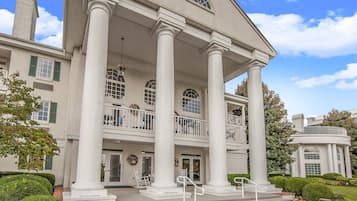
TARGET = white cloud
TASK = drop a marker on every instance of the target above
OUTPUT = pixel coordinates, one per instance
(291, 1)
(291, 34)
(6, 21)
(48, 27)
(340, 78)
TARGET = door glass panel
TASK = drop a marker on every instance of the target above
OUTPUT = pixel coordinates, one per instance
(115, 168)
(146, 166)
(196, 169)
(186, 165)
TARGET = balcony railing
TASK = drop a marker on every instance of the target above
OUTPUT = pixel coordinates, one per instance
(143, 122)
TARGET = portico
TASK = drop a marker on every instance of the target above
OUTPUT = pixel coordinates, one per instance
(173, 49)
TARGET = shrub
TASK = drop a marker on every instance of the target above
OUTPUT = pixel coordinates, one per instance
(44, 182)
(50, 177)
(21, 188)
(278, 181)
(295, 185)
(315, 191)
(353, 181)
(232, 176)
(331, 176)
(40, 198)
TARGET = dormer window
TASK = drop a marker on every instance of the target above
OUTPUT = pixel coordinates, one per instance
(204, 3)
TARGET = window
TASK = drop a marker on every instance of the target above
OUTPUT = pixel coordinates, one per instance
(312, 169)
(44, 68)
(338, 154)
(339, 168)
(115, 86)
(191, 101)
(311, 154)
(150, 92)
(22, 159)
(204, 3)
(43, 113)
(48, 163)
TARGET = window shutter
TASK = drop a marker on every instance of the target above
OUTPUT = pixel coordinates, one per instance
(33, 66)
(53, 112)
(48, 163)
(57, 71)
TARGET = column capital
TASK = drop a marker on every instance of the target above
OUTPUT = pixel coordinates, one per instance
(168, 21)
(219, 42)
(255, 65)
(105, 5)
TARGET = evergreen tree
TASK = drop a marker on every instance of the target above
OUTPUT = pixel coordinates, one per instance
(19, 135)
(277, 129)
(345, 120)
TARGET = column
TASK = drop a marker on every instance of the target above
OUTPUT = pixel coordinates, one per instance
(165, 97)
(348, 162)
(330, 158)
(256, 124)
(301, 164)
(90, 142)
(334, 156)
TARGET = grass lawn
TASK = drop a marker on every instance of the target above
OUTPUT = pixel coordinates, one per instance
(347, 191)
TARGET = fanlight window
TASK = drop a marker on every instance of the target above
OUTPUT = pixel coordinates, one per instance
(191, 101)
(150, 92)
(115, 85)
(311, 154)
(204, 3)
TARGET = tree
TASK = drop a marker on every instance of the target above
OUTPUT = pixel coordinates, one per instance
(277, 129)
(19, 135)
(344, 119)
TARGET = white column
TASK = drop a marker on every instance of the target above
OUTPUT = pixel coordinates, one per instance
(256, 124)
(165, 97)
(301, 164)
(90, 143)
(334, 156)
(330, 158)
(216, 118)
(348, 162)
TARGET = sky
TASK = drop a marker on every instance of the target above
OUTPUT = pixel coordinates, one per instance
(316, 40)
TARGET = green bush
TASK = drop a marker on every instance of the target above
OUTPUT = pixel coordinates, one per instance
(315, 191)
(278, 181)
(50, 177)
(21, 188)
(40, 198)
(295, 185)
(232, 176)
(331, 176)
(353, 181)
(44, 182)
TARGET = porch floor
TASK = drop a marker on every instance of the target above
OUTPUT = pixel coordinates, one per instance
(132, 194)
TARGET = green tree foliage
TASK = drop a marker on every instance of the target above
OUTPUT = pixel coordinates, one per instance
(277, 129)
(345, 120)
(20, 136)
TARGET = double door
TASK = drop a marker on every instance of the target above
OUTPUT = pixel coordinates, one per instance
(192, 166)
(111, 168)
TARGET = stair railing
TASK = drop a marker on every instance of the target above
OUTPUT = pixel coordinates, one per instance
(242, 180)
(184, 181)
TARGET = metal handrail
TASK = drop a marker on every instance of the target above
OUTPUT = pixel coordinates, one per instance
(183, 180)
(240, 180)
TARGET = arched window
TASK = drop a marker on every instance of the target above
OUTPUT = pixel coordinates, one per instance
(115, 85)
(150, 92)
(191, 101)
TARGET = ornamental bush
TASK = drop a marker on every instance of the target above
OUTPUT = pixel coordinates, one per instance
(315, 191)
(331, 176)
(278, 181)
(353, 181)
(295, 185)
(21, 188)
(232, 176)
(50, 177)
(43, 181)
(40, 198)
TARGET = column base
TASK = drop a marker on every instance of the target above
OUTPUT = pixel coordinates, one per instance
(156, 193)
(88, 195)
(222, 190)
(262, 188)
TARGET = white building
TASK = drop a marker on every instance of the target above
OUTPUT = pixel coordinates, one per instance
(321, 150)
(153, 103)
(317, 120)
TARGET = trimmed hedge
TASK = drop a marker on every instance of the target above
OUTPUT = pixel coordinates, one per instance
(331, 176)
(315, 191)
(40, 198)
(279, 181)
(43, 181)
(21, 188)
(232, 176)
(295, 185)
(50, 177)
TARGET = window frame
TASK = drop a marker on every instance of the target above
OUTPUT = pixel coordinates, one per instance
(314, 170)
(120, 81)
(37, 115)
(189, 103)
(38, 76)
(211, 9)
(150, 92)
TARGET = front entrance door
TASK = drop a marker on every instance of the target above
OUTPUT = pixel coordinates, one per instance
(111, 174)
(193, 167)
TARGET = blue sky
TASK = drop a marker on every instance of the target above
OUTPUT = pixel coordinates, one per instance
(316, 40)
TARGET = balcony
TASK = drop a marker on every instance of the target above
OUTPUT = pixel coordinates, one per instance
(124, 123)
